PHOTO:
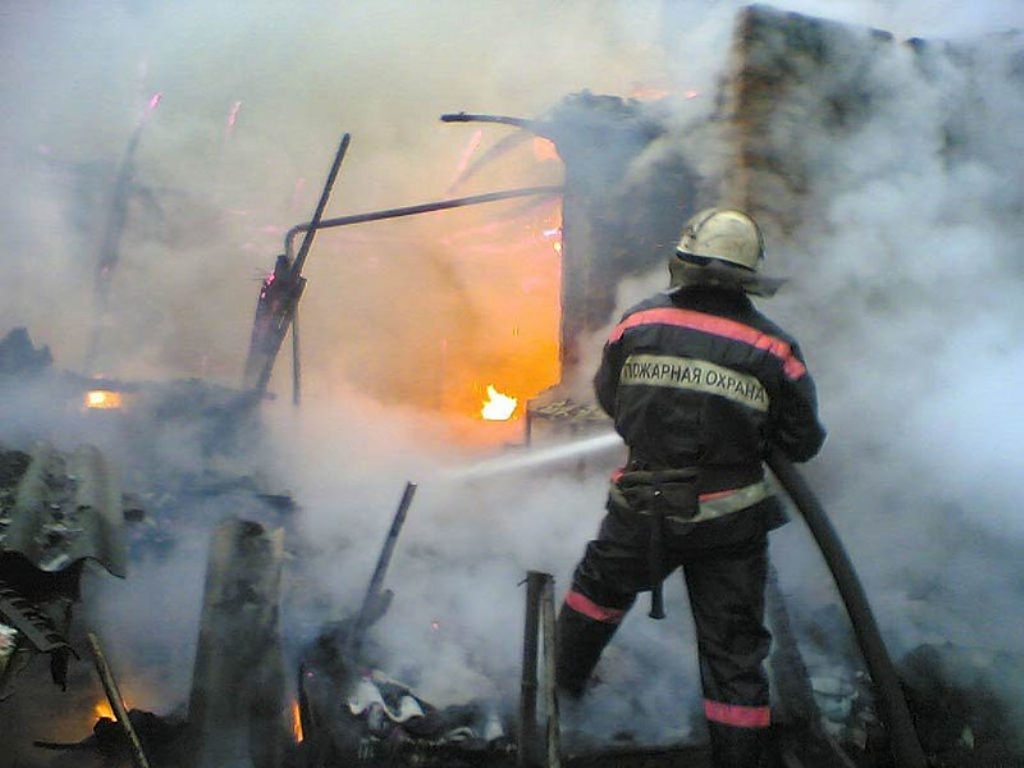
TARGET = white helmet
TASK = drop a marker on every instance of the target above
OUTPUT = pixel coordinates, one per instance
(724, 247)
(724, 234)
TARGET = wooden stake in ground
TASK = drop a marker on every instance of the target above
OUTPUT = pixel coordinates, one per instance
(117, 703)
(554, 729)
(540, 620)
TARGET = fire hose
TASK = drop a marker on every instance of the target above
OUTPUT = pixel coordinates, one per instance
(904, 744)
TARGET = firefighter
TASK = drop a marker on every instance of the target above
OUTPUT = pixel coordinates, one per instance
(700, 384)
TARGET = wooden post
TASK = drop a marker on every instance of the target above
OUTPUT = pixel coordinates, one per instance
(237, 704)
(117, 703)
(528, 687)
(540, 620)
(547, 614)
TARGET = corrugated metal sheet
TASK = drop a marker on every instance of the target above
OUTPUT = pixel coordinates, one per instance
(67, 508)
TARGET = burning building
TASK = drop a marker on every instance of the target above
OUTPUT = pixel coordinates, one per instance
(798, 97)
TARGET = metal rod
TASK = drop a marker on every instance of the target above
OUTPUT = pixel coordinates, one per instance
(528, 686)
(294, 279)
(307, 241)
(467, 117)
(412, 210)
(373, 589)
(117, 703)
(904, 741)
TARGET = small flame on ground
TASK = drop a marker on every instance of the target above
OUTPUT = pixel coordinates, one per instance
(296, 723)
(102, 399)
(555, 235)
(103, 709)
(498, 407)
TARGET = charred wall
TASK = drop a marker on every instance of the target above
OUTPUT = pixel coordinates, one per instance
(615, 223)
(797, 85)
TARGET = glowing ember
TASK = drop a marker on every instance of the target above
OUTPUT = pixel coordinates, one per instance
(498, 407)
(104, 399)
(296, 723)
(233, 115)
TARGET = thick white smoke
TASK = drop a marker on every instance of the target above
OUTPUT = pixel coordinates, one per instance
(903, 296)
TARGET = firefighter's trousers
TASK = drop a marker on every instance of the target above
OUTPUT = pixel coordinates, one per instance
(724, 564)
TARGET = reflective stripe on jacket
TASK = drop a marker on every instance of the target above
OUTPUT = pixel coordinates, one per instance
(700, 378)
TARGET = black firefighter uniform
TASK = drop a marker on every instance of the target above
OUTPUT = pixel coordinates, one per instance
(699, 384)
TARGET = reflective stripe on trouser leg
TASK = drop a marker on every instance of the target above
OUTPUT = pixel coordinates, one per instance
(579, 640)
(604, 586)
(583, 604)
(727, 597)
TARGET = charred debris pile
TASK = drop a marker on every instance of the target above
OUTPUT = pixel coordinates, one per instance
(257, 699)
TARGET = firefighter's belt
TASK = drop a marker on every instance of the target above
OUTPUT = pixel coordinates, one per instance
(674, 493)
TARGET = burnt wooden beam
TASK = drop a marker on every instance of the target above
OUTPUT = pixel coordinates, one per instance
(113, 692)
(539, 623)
(237, 706)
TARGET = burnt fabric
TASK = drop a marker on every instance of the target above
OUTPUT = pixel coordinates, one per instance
(700, 385)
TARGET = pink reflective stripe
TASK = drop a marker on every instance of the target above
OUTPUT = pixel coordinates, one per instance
(737, 715)
(715, 495)
(719, 326)
(586, 606)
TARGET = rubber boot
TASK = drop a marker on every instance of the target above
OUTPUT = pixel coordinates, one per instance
(579, 642)
(733, 747)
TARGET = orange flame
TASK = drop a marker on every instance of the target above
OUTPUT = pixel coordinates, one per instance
(102, 399)
(485, 284)
(497, 406)
(296, 723)
(103, 709)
